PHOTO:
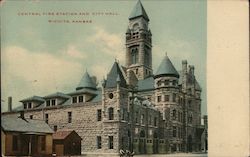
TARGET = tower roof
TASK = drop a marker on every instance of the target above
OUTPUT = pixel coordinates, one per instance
(114, 76)
(166, 68)
(138, 11)
(86, 82)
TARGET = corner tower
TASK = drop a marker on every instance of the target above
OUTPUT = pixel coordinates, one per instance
(139, 43)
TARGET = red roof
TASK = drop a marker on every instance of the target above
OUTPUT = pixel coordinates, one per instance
(61, 134)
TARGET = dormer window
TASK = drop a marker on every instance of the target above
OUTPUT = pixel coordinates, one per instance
(53, 102)
(74, 99)
(48, 103)
(80, 98)
(29, 105)
(25, 105)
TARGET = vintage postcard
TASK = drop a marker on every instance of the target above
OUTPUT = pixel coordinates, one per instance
(107, 78)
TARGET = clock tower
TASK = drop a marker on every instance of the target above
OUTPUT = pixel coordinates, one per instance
(139, 43)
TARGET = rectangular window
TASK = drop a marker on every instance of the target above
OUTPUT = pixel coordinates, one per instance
(14, 142)
(25, 106)
(43, 143)
(174, 131)
(80, 98)
(29, 105)
(136, 117)
(166, 97)
(53, 103)
(31, 116)
(69, 117)
(159, 98)
(48, 103)
(111, 142)
(150, 120)
(155, 121)
(142, 119)
(46, 117)
(174, 97)
(55, 127)
(99, 115)
(99, 142)
(74, 99)
(111, 113)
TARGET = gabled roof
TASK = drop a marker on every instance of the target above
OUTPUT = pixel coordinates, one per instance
(86, 82)
(33, 98)
(166, 68)
(114, 75)
(17, 124)
(138, 11)
(63, 134)
(57, 95)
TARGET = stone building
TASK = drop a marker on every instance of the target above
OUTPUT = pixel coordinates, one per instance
(134, 108)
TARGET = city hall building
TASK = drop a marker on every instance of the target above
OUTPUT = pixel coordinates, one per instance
(135, 108)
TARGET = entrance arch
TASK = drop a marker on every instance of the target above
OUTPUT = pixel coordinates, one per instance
(189, 144)
(142, 142)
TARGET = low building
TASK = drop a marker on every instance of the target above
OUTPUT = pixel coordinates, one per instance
(66, 142)
(21, 137)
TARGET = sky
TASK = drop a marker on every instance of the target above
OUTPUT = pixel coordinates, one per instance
(40, 58)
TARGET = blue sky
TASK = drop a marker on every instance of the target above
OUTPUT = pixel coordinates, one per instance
(39, 58)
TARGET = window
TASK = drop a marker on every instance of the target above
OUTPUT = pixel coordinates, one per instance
(174, 114)
(174, 83)
(166, 97)
(136, 116)
(136, 71)
(99, 142)
(142, 119)
(69, 117)
(155, 121)
(80, 98)
(122, 114)
(159, 98)
(111, 95)
(25, 106)
(150, 120)
(146, 57)
(14, 142)
(159, 83)
(190, 118)
(174, 97)
(29, 105)
(189, 103)
(111, 113)
(179, 116)
(53, 103)
(31, 116)
(43, 143)
(166, 82)
(99, 115)
(174, 131)
(134, 54)
(111, 142)
(48, 103)
(55, 127)
(74, 99)
(46, 117)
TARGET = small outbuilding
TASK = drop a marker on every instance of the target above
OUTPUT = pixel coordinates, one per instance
(66, 142)
(25, 137)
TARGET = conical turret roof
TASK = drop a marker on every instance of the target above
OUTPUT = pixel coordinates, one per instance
(86, 82)
(166, 68)
(115, 76)
(138, 11)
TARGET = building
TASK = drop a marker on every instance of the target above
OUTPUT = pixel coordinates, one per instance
(23, 137)
(66, 142)
(134, 108)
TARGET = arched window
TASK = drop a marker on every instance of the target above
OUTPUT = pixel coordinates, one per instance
(134, 54)
(111, 113)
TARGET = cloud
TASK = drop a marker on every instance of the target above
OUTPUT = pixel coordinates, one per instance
(26, 73)
(108, 43)
(72, 51)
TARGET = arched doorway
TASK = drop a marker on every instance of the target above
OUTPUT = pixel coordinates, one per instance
(155, 143)
(142, 143)
(189, 144)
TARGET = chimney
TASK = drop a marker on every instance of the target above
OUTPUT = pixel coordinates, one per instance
(21, 115)
(184, 66)
(9, 104)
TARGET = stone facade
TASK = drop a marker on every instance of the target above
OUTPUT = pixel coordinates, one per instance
(134, 109)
